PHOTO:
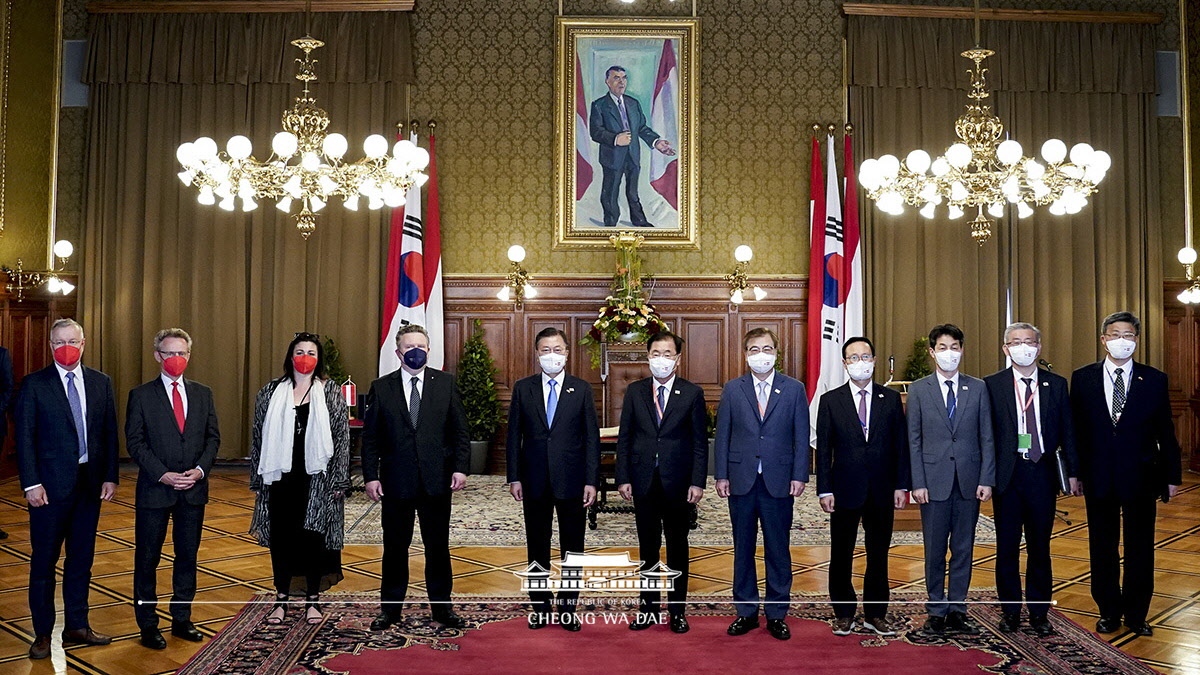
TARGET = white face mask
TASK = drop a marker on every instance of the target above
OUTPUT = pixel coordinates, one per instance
(661, 366)
(948, 360)
(860, 371)
(1120, 348)
(761, 363)
(1023, 355)
(552, 364)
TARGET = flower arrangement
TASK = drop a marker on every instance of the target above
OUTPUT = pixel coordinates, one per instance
(626, 315)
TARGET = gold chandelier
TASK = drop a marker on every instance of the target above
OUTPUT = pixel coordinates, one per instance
(306, 164)
(982, 172)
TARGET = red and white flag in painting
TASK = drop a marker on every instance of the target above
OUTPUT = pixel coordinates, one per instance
(664, 169)
(830, 322)
(583, 146)
(853, 275)
(413, 290)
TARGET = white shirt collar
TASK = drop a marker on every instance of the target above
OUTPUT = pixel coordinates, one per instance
(167, 381)
(943, 380)
(1111, 368)
(420, 375)
(669, 384)
(855, 387)
(1018, 377)
(557, 378)
(616, 99)
(62, 372)
(770, 380)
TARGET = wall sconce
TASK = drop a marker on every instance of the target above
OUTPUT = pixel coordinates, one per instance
(516, 287)
(737, 279)
(1191, 294)
(19, 280)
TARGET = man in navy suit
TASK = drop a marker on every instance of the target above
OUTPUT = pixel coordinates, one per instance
(171, 433)
(66, 427)
(616, 122)
(662, 464)
(862, 476)
(1129, 457)
(1031, 419)
(553, 465)
(762, 466)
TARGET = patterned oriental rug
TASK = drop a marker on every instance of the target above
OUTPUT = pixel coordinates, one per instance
(484, 514)
(497, 640)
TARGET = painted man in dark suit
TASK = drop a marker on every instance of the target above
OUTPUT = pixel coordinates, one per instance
(1129, 457)
(616, 122)
(6, 395)
(862, 476)
(1031, 419)
(953, 460)
(416, 452)
(171, 433)
(762, 466)
(66, 428)
(553, 465)
(662, 465)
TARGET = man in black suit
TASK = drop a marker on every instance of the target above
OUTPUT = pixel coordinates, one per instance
(662, 462)
(1128, 458)
(553, 465)
(1031, 418)
(617, 122)
(416, 452)
(171, 433)
(66, 427)
(6, 393)
(862, 476)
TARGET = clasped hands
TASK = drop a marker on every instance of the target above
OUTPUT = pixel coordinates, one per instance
(181, 481)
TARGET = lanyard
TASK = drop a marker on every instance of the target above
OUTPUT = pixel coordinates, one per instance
(1023, 403)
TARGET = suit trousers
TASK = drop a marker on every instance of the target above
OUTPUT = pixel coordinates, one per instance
(539, 519)
(150, 532)
(657, 514)
(1105, 515)
(775, 514)
(397, 517)
(610, 184)
(949, 523)
(73, 520)
(1027, 504)
(877, 520)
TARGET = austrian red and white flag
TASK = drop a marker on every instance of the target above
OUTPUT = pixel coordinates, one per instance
(664, 169)
(816, 262)
(413, 290)
(831, 320)
(853, 274)
(583, 146)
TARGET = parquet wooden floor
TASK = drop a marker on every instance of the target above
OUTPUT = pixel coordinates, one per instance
(232, 567)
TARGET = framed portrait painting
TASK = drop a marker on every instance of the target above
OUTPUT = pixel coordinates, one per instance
(626, 131)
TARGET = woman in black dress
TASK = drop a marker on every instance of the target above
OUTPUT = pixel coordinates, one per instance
(300, 471)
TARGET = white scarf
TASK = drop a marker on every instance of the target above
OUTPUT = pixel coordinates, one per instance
(279, 435)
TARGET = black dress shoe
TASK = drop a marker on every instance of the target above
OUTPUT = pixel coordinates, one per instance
(679, 623)
(383, 621)
(959, 623)
(1011, 623)
(40, 648)
(570, 622)
(446, 617)
(778, 629)
(742, 625)
(84, 636)
(187, 631)
(1140, 628)
(153, 639)
(934, 625)
(1041, 626)
(643, 621)
(537, 620)
(1108, 624)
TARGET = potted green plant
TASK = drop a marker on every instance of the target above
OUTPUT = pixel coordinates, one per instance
(477, 388)
(917, 365)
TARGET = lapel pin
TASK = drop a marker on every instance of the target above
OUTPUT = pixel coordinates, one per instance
(964, 387)
(676, 391)
(881, 396)
(1139, 377)
(1045, 384)
(777, 391)
(570, 389)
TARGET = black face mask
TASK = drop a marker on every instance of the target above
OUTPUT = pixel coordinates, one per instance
(415, 358)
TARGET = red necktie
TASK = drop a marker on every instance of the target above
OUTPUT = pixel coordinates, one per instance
(177, 404)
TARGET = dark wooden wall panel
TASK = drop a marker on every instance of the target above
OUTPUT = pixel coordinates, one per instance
(1182, 340)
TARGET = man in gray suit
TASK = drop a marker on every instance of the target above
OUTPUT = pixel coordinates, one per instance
(953, 469)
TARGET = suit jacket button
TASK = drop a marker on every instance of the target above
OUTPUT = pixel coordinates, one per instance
(760, 438)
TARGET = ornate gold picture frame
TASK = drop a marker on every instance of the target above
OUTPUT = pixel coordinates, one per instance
(626, 97)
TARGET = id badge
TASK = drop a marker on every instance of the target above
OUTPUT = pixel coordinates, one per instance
(1024, 442)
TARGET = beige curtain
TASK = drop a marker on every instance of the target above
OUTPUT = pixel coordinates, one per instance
(241, 284)
(1076, 82)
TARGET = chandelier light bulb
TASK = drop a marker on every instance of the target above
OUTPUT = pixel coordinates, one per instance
(736, 297)
(516, 253)
(1075, 206)
(1186, 255)
(327, 186)
(351, 202)
(248, 204)
(227, 203)
(759, 294)
(927, 211)
(996, 210)
(1093, 175)
(421, 179)
(1034, 170)
(404, 150)
(530, 291)
(53, 284)
(940, 167)
(375, 146)
(310, 162)
(284, 144)
(917, 161)
(206, 196)
(186, 154)
(335, 146)
(64, 249)
(284, 204)
(959, 155)
(1101, 161)
(868, 174)
(743, 253)
(889, 167)
(958, 191)
(239, 147)
(315, 203)
(375, 202)
(1081, 154)
(205, 148)
(503, 295)
(393, 198)
(1009, 152)
(1053, 151)
(1057, 208)
(420, 159)
(1024, 210)
(65, 287)
(955, 212)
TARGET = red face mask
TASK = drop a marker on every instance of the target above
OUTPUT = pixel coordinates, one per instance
(175, 365)
(304, 364)
(66, 355)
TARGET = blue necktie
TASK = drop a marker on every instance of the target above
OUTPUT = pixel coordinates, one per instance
(551, 404)
(662, 403)
(77, 415)
(951, 403)
(624, 115)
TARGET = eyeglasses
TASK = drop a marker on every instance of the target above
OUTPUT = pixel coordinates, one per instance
(855, 358)
(555, 350)
(61, 343)
(1117, 336)
(760, 350)
(167, 355)
(1018, 343)
(311, 337)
